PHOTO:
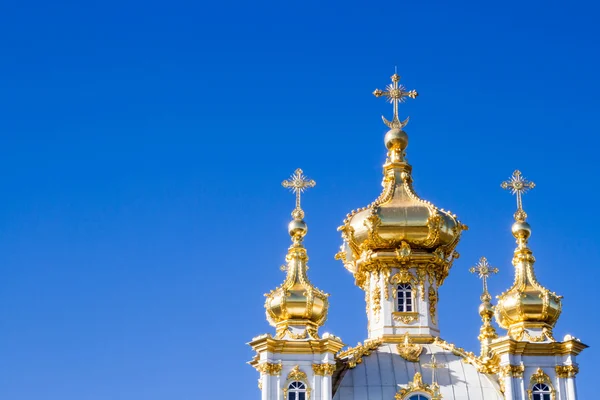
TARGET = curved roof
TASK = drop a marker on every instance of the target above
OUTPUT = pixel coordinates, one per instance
(381, 372)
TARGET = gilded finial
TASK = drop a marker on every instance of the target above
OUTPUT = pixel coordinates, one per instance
(484, 270)
(298, 183)
(486, 310)
(395, 94)
(518, 185)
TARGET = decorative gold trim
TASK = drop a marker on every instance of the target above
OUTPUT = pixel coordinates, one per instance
(511, 346)
(409, 351)
(354, 355)
(269, 368)
(323, 369)
(433, 298)
(330, 344)
(296, 375)
(539, 376)
(566, 371)
(418, 386)
(405, 317)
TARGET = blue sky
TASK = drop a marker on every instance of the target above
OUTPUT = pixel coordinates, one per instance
(143, 145)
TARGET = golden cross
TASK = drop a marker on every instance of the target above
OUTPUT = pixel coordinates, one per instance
(298, 183)
(519, 186)
(484, 270)
(395, 94)
(433, 365)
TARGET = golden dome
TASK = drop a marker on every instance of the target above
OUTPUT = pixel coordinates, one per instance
(297, 308)
(398, 219)
(527, 306)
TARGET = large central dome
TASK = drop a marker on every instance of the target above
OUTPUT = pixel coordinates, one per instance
(398, 221)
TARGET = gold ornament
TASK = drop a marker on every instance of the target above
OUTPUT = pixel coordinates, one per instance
(409, 351)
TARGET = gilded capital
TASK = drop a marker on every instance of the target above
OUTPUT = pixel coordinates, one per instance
(269, 368)
(515, 371)
(323, 369)
(566, 371)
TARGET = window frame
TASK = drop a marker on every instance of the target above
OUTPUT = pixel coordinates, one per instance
(405, 291)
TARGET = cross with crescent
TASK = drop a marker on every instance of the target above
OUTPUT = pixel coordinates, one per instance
(395, 94)
(483, 269)
(519, 186)
(298, 183)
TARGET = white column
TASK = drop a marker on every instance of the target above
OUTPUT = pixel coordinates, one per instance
(571, 391)
(508, 388)
(326, 387)
(264, 379)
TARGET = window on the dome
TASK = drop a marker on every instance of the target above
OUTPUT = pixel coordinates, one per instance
(405, 298)
(296, 391)
(418, 397)
(540, 391)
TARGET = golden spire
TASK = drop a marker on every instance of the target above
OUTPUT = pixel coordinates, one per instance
(395, 94)
(297, 308)
(518, 186)
(527, 310)
(486, 310)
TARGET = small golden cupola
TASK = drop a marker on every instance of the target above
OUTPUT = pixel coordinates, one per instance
(527, 310)
(297, 308)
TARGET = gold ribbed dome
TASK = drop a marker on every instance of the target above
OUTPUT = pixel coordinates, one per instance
(398, 220)
(527, 310)
(297, 308)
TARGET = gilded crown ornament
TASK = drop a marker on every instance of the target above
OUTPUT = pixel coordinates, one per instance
(297, 308)
(409, 351)
(527, 310)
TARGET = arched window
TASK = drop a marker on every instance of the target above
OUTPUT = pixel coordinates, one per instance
(418, 397)
(296, 391)
(541, 391)
(405, 298)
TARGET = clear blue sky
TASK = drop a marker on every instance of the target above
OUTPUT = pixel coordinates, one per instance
(143, 145)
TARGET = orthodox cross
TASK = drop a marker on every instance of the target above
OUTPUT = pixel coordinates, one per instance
(298, 183)
(519, 186)
(395, 94)
(433, 365)
(483, 269)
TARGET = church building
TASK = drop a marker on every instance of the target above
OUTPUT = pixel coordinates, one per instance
(400, 249)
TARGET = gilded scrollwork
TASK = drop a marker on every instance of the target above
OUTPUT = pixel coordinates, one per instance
(433, 299)
(405, 317)
(539, 376)
(354, 355)
(418, 386)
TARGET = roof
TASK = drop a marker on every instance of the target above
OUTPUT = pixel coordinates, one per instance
(383, 372)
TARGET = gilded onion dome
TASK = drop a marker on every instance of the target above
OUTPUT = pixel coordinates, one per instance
(527, 310)
(297, 308)
(398, 219)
